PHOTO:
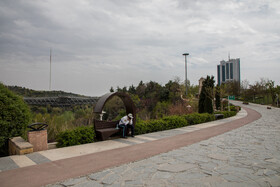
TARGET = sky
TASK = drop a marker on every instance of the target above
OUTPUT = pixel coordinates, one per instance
(103, 43)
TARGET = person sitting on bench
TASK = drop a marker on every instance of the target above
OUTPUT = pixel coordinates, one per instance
(126, 123)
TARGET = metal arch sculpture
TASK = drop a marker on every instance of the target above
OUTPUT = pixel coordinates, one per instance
(128, 103)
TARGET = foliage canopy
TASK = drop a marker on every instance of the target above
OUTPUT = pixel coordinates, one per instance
(14, 117)
(206, 96)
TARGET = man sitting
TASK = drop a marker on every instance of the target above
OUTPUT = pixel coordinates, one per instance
(126, 123)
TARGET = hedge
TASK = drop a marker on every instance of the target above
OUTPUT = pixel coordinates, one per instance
(77, 136)
(172, 122)
(14, 117)
(82, 135)
(168, 122)
(227, 114)
(196, 118)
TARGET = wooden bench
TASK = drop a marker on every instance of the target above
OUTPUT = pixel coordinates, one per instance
(105, 129)
(219, 116)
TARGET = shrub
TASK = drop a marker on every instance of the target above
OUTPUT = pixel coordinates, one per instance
(196, 118)
(14, 117)
(227, 114)
(234, 108)
(171, 122)
(193, 118)
(174, 122)
(206, 117)
(77, 136)
(155, 125)
(141, 128)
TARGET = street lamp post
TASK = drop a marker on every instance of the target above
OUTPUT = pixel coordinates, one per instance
(186, 54)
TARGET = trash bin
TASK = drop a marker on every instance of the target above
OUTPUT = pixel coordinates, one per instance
(38, 136)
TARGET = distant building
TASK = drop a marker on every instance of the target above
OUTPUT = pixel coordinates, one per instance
(228, 71)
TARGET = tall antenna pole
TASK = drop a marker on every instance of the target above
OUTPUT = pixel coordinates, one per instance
(50, 69)
(186, 54)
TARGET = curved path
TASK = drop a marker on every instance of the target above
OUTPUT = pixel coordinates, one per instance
(210, 156)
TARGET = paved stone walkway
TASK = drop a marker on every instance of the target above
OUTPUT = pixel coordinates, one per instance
(247, 156)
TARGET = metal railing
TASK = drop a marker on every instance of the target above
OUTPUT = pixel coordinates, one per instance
(60, 101)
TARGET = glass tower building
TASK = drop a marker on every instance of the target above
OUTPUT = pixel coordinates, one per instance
(228, 71)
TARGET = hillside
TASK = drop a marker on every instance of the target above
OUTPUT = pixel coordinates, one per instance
(25, 92)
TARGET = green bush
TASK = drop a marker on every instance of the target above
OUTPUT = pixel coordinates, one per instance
(234, 108)
(169, 122)
(14, 117)
(155, 125)
(227, 114)
(174, 122)
(206, 117)
(77, 136)
(193, 118)
(196, 118)
(141, 127)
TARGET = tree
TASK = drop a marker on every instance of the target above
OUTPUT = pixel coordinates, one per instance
(132, 89)
(140, 90)
(175, 91)
(272, 90)
(119, 89)
(152, 94)
(112, 89)
(244, 89)
(233, 88)
(218, 97)
(253, 91)
(124, 89)
(277, 91)
(14, 117)
(164, 94)
(206, 96)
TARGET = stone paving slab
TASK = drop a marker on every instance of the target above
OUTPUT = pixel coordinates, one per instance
(6, 163)
(22, 160)
(38, 158)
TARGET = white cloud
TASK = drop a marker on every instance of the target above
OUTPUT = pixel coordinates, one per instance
(116, 43)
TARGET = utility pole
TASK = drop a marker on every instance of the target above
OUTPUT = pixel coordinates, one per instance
(50, 69)
(186, 54)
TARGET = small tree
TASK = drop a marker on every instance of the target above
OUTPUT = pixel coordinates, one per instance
(218, 97)
(271, 90)
(206, 96)
(132, 89)
(14, 117)
(202, 97)
(112, 89)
